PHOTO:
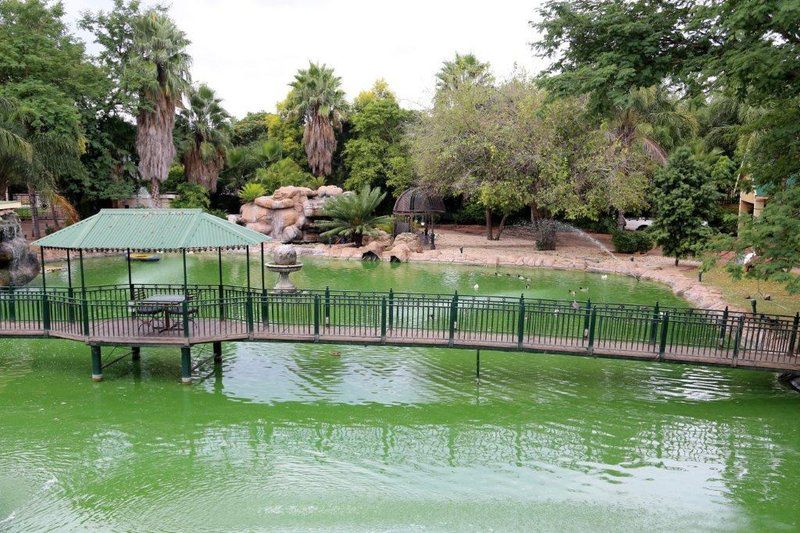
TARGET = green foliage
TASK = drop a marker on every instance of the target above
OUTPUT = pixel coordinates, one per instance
(252, 127)
(286, 172)
(352, 215)
(630, 242)
(191, 195)
(684, 199)
(775, 237)
(607, 48)
(460, 71)
(377, 154)
(250, 191)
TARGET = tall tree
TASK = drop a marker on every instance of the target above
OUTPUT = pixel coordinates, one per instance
(377, 154)
(317, 97)
(204, 127)
(461, 70)
(162, 64)
(607, 48)
(684, 199)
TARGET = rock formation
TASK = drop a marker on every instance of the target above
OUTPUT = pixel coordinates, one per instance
(18, 265)
(288, 215)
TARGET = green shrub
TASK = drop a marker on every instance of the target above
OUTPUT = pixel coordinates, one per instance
(250, 191)
(24, 213)
(630, 242)
(191, 196)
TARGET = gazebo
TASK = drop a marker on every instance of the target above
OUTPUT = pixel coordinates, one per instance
(151, 230)
(420, 204)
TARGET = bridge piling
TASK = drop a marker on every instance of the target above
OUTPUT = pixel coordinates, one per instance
(186, 365)
(217, 348)
(97, 364)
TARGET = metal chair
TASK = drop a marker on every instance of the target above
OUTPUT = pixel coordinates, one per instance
(145, 314)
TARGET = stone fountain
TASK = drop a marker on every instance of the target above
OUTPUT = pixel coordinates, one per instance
(284, 262)
(18, 265)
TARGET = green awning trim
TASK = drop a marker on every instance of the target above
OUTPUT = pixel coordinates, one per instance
(150, 230)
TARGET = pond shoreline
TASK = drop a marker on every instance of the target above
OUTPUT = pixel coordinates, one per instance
(464, 246)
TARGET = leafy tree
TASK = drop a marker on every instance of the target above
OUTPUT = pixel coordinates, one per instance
(683, 201)
(352, 215)
(205, 137)
(377, 154)
(607, 48)
(775, 237)
(317, 97)
(46, 83)
(192, 195)
(251, 128)
(653, 119)
(161, 65)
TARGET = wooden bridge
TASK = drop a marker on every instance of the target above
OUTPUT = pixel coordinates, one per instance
(139, 315)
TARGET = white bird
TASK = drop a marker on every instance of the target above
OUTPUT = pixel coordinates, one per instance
(476, 286)
(584, 289)
(604, 276)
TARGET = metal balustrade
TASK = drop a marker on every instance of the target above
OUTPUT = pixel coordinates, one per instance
(108, 314)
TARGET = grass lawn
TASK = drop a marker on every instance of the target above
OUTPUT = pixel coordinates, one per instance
(736, 292)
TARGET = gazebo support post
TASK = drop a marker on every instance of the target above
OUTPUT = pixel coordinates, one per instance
(70, 308)
(221, 290)
(97, 364)
(83, 283)
(130, 275)
(185, 276)
(247, 260)
(45, 305)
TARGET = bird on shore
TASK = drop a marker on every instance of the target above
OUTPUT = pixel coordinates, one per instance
(572, 292)
(584, 289)
(476, 287)
(604, 276)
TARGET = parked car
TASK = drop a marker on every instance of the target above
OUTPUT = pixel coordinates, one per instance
(637, 224)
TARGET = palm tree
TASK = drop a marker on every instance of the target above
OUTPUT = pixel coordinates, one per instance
(464, 69)
(164, 66)
(316, 96)
(651, 117)
(353, 215)
(205, 130)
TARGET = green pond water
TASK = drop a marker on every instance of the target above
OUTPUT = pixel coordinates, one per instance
(294, 436)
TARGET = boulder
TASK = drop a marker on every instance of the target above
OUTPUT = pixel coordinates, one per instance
(411, 240)
(380, 236)
(328, 190)
(399, 253)
(252, 213)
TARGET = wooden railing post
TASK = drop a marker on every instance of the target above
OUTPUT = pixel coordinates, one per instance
(737, 340)
(521, 322)
(383, 318)
(45, 312)
(316, 316)
(793, 338)
(453, 318)
(248, 302)
(724, 327)
(592, 327)
(12, 306)
(654, 325)
(391, 309)
(327, 306)
(85, 312)
(587, 317)
(662, 345)
(185, 317)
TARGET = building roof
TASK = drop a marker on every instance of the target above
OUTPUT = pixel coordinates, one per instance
(417, 200)
(152, 230)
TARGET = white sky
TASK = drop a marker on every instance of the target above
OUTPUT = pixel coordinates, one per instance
(249, 50)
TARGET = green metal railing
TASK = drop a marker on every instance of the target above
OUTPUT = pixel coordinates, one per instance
(109, 314)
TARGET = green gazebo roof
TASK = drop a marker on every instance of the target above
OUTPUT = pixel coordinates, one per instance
(152, 230)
